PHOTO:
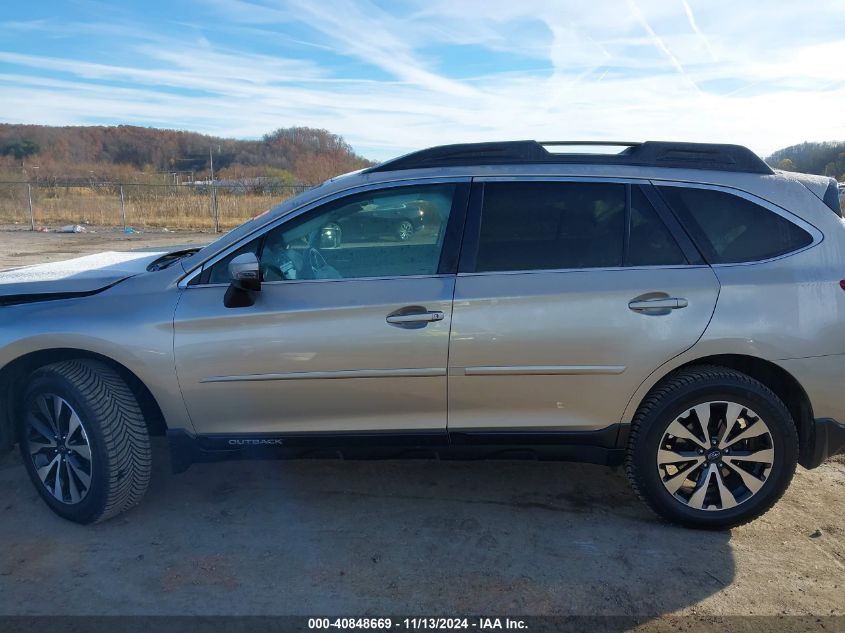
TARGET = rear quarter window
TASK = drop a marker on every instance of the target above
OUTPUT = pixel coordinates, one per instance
(730, 229)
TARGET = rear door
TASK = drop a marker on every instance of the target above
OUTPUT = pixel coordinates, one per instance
(346, 335)
(569, 294)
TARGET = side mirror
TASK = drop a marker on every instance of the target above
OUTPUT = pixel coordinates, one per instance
(245, 274)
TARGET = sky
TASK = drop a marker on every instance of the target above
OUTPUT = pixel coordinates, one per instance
(394, 76)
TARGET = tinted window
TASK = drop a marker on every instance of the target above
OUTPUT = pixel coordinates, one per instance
(546, 225)
(393, 232)
(220, 271)
(651, 243)
(731, 229)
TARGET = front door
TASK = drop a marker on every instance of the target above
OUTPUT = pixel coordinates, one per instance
(349, 332)
(570, 294)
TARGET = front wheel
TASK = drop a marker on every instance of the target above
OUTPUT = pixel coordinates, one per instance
(711, 447)
(84, 440)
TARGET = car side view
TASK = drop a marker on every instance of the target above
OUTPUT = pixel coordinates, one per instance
(675, 308)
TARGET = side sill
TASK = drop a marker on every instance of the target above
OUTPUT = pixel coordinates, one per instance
(606, 446)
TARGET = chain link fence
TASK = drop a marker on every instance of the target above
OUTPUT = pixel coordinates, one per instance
(205, 206)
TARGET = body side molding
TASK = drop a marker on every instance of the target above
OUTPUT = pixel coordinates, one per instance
(543, 370)
(322, 375)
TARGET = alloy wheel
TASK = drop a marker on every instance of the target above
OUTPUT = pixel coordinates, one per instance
(59, 448)
(715, 456)
(406, 230)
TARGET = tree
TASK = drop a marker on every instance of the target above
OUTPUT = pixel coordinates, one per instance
(786, 164)
(299, 154)
(826, 158)
(21, 149)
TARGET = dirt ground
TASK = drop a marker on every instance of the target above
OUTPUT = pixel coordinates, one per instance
(21, 247)
(415, 537)
(412, 537)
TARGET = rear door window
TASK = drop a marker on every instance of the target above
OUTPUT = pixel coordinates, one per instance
(730, 229)
(551, 225)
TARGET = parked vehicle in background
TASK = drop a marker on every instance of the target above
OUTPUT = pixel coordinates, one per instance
(370, 220)
(673, 307)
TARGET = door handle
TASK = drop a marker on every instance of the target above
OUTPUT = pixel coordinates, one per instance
(665, 303)
(415, 317)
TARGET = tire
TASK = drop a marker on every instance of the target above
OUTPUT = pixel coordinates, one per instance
(93, 474)
(710, 490)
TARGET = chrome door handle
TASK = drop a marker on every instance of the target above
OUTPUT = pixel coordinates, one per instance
(417, 317)
(668, 303)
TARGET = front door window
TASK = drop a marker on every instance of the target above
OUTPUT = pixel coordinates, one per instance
(392, 232)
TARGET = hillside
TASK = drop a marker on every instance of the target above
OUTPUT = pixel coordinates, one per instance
(827, 159)
(139, 154)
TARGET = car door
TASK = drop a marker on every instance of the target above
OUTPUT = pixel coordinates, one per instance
(569, 294)
(342, 337)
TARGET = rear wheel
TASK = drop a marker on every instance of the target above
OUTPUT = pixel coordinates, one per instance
(84, 440)
(711, 447)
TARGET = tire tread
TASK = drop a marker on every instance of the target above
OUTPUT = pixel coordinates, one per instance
(124, 431)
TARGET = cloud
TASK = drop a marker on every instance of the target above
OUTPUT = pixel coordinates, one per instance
(695, 29)
(391, 80)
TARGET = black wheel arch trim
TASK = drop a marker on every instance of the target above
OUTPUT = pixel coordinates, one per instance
(15, 371)
(828, 439)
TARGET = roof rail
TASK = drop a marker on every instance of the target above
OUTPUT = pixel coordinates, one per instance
(713, 156)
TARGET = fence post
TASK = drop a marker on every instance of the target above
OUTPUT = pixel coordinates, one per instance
(216, 209)
(214, 213)
(123, 208)
(31, 215)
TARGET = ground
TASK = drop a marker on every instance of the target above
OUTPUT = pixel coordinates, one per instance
(406, 537)
(416, 537)
(21, 247)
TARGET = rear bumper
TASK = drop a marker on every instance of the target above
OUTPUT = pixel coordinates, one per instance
(828, 439)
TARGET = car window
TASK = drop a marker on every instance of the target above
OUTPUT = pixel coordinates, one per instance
(730, 229)
(650, 242)
(220, 271)
(392, 232)
(551, 225)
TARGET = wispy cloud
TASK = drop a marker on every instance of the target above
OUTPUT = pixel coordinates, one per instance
(654, 37)
(695, 29)
(396, 77)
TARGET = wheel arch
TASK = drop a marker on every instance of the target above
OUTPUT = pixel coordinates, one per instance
(772, 375)
(14, 373)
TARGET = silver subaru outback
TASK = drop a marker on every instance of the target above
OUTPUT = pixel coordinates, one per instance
(676, 308)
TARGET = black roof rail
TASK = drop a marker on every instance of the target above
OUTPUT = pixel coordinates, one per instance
(713, 156)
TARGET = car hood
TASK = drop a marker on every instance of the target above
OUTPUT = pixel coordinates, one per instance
(79, 276)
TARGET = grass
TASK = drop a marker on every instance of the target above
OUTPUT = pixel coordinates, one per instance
(146, 206)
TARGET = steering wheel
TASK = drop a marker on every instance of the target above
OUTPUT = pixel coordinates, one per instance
(316, 261)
